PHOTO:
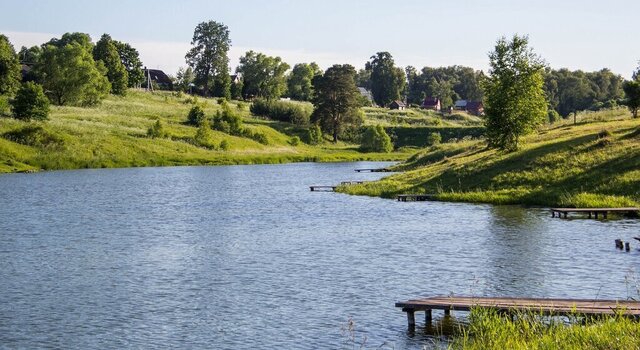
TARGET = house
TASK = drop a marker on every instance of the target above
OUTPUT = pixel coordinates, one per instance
(460, 105)
(432, 103)
(366, 93)
(235, 78)
(399, 105)
(158, 78)
(475, 107)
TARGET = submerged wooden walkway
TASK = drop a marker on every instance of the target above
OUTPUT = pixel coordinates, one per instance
(371, 170)
(322, 188)
(554, 307)
(563, 212)
(414, 197)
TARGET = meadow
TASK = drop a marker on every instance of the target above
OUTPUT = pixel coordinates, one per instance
(593, 163)
(114, 134)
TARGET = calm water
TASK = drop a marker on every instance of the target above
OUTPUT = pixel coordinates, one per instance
(246, 257)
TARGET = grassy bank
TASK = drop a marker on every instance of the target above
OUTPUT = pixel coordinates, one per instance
(114, 134)
(595, 163)
(489, 330)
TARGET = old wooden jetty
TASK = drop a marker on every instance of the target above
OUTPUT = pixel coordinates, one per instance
(415, 197)
(369, 170)
(352, 182)
(553, 307)
(563, 212)
(322, 188)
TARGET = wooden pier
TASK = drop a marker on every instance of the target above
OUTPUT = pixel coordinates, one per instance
(322, 188)
(352, 182)
(603, 212)
(368, 170)
(552, 307)
(415, 197)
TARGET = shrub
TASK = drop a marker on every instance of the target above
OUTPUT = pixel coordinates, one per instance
(604, 134)
(256, 136)
(35, 136)
(30, 103)
(314, 135)
(434, 138)
(157, 130)
(553, 115)
(204, 137)
(295, 141)
(284, 111)
(221, 100)
(196, 116)
(227, 121)
(224, 145)
(375, 139)
(5, 109)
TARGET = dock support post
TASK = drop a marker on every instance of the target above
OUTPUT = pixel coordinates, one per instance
(604, 214)
(411, 319)
(428, 316)
(596, 215)
(447, 312)
(565, 215)
(589, 215)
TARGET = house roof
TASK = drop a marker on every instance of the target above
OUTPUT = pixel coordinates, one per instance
(431, 101)
(366, 93)
(399, 103)
(474, 105)
(158, 76)
(460, 103)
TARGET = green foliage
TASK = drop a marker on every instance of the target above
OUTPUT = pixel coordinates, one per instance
(130, 59)
(209, 58)
(10, 75)
(336, 101)
(553, 116)
(514, 97)
(290, 112)
(387, 81)
(300, 81)
(72, 77)
(295, 141)
(314, 135)
(157, 130)
(375, 139)
(35, 136)
(445, 83)
(30, 103)
(82, 39)
(224, 145)
(434, 139)
(107, 52)
(227, 121)
(196, 115)
(236, 90)
(256, 136)
(632, 93)
(5, 107)
(204, 136)
(262, 75)
(184, 79)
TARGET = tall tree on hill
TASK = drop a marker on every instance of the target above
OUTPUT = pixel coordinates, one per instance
(10, 75)
(300, 81)
(387, 81)
(209, 58)
(262, 75)
(83, 39)
(514, 97)
(636, 73)
(130, 59)
(107, 52)
(336, 100)
(632, 93)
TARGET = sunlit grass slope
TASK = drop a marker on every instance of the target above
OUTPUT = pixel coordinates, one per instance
(595, 163)
(114, 134)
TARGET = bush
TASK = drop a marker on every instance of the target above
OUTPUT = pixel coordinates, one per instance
(256, 136)
(5, 109)
(434, 138)
(30, 103)
(204, 136)
(221, 100)
(284, 111)
(553, 115)
(295, 141)
(35, 136)
(375, 139)
(224, 145)
(314, 135)
(227, 121)
(196, 116)
(157, 130)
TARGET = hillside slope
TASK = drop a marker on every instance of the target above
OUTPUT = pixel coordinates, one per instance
(114, 135)
(592, 164)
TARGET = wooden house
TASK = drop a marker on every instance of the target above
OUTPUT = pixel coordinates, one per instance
(158, 77)
(432, 103)
(399, 105)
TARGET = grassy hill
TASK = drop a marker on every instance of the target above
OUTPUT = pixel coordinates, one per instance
(114, 135)
(591, 164)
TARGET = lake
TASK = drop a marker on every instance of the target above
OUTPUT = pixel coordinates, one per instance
(236, 257)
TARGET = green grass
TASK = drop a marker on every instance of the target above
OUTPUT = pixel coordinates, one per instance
(595, 163)
(114, 135)
(489, 330)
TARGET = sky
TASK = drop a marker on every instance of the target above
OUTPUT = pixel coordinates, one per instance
(586, 34)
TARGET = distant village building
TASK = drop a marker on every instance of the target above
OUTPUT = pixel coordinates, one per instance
(399, 105)
(432, 103)
(235, 78)
(158, 78)
(366, 93)
(472, 107)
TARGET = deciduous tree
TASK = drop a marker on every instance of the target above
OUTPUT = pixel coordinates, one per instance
(514, 97)
(336, 100)
(107, 52)
(209, 58)
(10, 75)
(387, 81)
(262, 75)
(130, 59)
(300, 81)
(632, 93)
(30, 103)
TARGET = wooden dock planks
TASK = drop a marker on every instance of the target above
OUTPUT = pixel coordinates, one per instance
(414, 197)
(556, 307)
(563, 212)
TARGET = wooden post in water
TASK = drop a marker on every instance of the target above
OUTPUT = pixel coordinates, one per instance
(627, 246)
(428, 316)
(618, 243)
(411, 319)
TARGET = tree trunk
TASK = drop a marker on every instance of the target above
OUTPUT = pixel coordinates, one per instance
(575, 115)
